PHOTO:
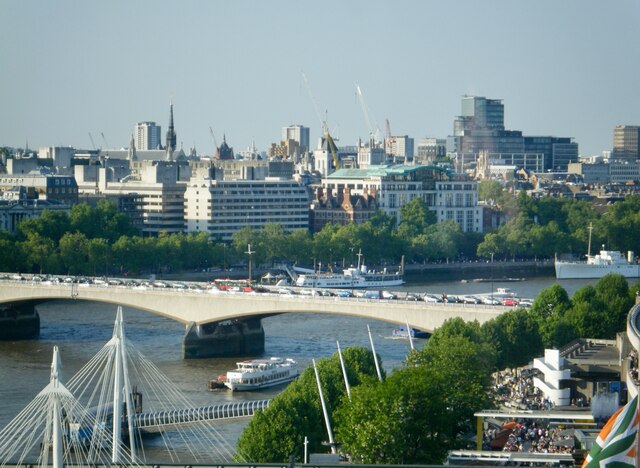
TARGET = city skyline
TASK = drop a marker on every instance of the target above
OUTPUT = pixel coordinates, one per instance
(74, 68)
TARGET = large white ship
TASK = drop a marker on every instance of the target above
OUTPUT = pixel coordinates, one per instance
(599, 265)
(261, 373)
(352, 278)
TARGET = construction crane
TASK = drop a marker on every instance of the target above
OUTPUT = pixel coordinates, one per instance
(215, 143)
(387, 127)
(93, 144)
(105, 140)
(325, 128)
(375, 132)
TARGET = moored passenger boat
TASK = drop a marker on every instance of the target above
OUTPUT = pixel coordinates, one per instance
(261, 373)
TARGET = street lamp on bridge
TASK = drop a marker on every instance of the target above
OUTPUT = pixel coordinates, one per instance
(249, 252)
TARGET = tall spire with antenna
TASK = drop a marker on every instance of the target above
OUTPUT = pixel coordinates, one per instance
(171, 134)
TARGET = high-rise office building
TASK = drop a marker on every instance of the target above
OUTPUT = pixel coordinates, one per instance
(625, 143)
(147, 136)
(298, 133)
(480, 128)
(479, 113)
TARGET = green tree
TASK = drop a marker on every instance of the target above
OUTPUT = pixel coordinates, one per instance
(613, 290)
(415, 216)
(298, 245)
(490, 191)
(74, 253)
(39, 252)
(423, 409)
(99, 256)
(277, 432)
(50, 224)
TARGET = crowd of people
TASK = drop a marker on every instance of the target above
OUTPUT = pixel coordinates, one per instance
(531, 436)
(513, 388)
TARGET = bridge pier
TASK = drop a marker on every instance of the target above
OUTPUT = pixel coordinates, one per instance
(19, 321)
(238, 337)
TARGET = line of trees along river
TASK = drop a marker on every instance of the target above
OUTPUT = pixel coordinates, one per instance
(100, 240)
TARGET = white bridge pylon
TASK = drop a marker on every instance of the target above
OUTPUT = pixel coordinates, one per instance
(86, 421)
(56, 429)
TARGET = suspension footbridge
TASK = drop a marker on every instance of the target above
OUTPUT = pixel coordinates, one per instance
(98, 416)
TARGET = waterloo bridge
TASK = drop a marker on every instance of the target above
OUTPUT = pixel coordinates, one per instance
(222, 322)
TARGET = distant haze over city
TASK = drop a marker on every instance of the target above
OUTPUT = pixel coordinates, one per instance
(71, 69)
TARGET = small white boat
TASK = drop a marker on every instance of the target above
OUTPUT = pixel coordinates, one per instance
(261, 373)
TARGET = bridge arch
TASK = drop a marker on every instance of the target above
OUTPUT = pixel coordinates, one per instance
(198, 308)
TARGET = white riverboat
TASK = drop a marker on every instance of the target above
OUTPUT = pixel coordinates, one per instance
(261, 373)
(599, 265)
(352, 278)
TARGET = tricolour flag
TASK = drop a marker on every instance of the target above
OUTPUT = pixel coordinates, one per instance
(616, 443)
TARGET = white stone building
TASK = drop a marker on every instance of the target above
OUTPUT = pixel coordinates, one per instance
(451, 196)
(223, 207)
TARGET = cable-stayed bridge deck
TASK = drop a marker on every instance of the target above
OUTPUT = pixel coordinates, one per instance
(242, 409)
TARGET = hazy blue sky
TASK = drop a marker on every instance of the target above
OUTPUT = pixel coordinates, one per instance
(564, 68)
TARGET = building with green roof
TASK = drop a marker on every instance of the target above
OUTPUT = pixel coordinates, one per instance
(450, 195)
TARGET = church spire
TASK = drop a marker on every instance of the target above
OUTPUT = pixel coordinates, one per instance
(171, 134)
(131, 155)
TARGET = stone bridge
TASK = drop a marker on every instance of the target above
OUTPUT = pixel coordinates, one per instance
(217, 321)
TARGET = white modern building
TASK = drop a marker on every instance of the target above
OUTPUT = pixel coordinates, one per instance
(451, 196)
(552, 368)
(147, 136)
(223, 207)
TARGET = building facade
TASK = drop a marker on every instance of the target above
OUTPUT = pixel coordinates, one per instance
(429, 150)
(59, 188)
(147, 136)
(451, 196)
(341, 208)
(296, 139)
(625, 142)
(480, 127)
(400, 148)
(14, 211)
(222, 208)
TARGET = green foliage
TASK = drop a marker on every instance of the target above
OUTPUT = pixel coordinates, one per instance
(279, 431)
(423, 409)
(490, 191)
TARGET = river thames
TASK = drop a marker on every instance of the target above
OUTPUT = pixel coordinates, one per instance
(80, 329)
